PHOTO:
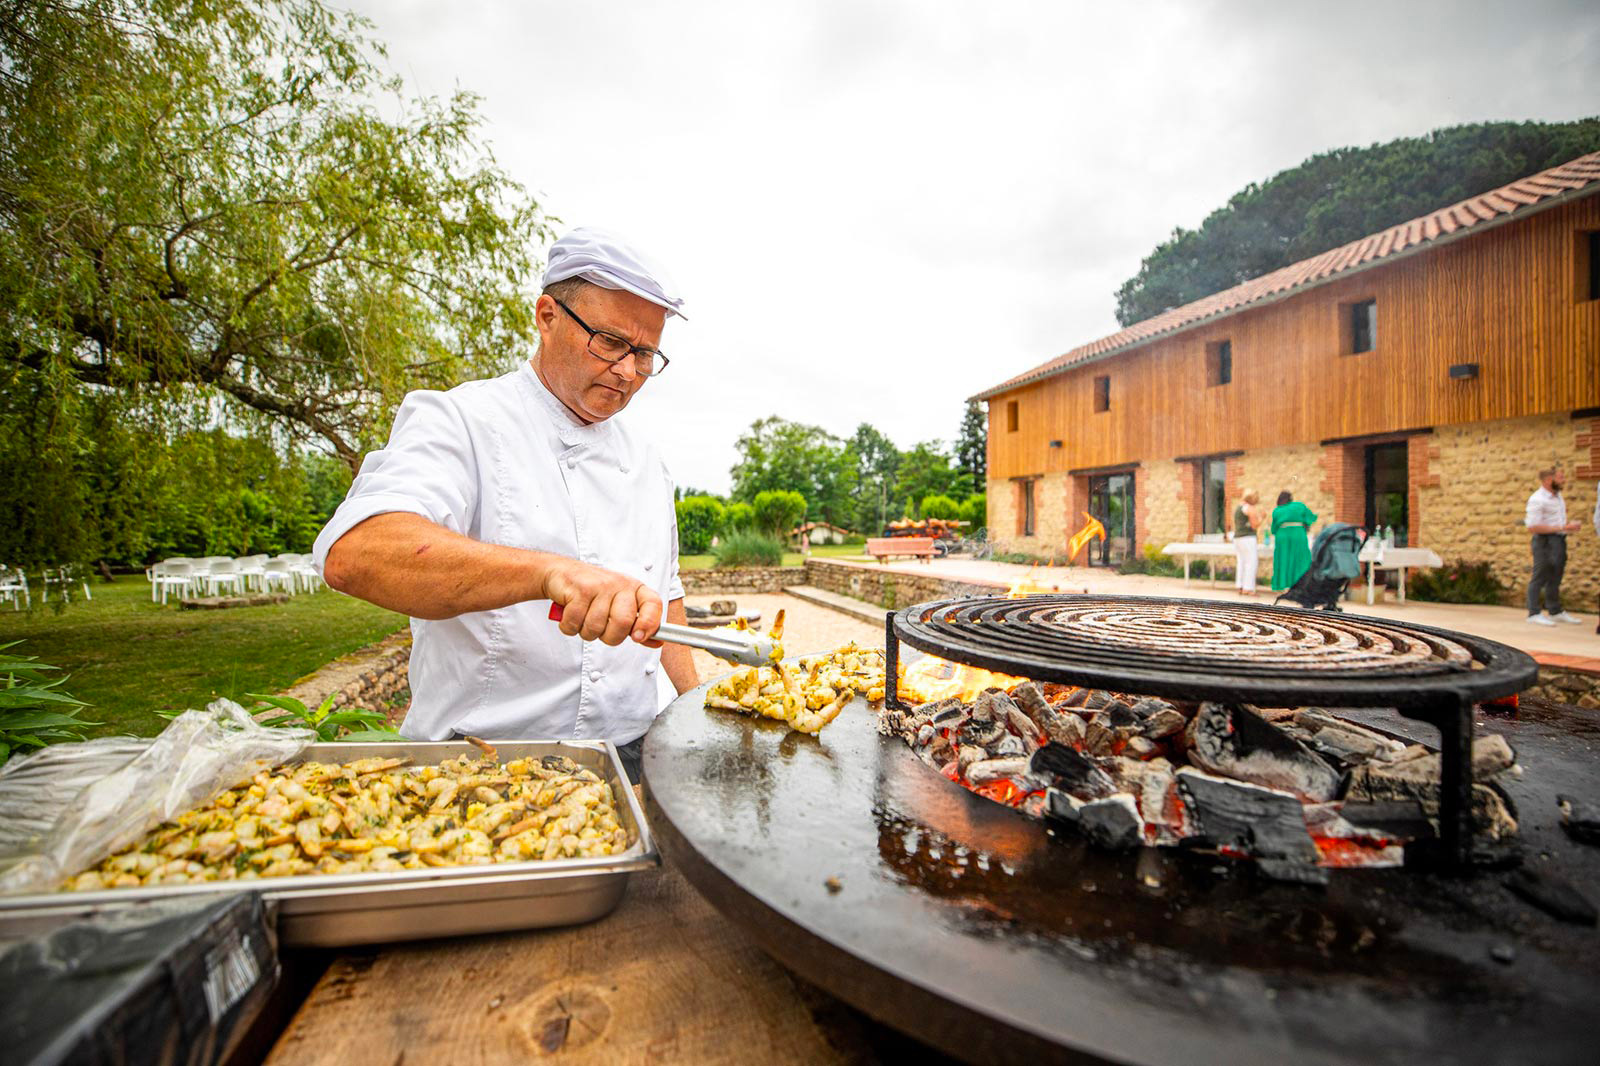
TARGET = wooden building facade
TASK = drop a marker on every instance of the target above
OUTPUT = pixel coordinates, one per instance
(1418, 379)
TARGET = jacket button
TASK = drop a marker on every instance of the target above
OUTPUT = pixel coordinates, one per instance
(594, 675)
(623, 469)
(650, 669)
(649, 566)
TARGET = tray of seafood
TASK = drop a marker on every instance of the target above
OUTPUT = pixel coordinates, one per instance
(363, 843)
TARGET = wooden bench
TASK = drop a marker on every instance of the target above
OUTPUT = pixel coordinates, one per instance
(881, 548)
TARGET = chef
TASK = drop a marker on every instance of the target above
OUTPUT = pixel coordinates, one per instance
(500, 496)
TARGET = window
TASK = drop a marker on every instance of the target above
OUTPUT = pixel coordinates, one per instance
(1026, 512)
(1219, 363)
(1213, 495)
(1588, 247)
(1363, 326)
(1102, 393)
(1011, 416)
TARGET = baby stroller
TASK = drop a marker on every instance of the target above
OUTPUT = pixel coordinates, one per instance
(1333, 564)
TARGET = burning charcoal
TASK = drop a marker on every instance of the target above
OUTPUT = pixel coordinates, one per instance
(1418, 780)
(1581, 820)
(1118, 714)
(1353, 747)
(979, 733)
(1141, 747)
(983, 708)
(1361, 846)
(1149, 705)
(1061, 728)
(1552, 895)
(953, 713)
(1096, 699)
(981, 773)
(1163, 724)
(1061, 805)
(1098, 739)
(1264, 822)
(968, 756)
(1075, 698)
(1067, 730)
(1398, 820)
(1009, 745)
(1233, 742)
(1156, 789)
(1070, 771)
(1113, 822)
(936, 709)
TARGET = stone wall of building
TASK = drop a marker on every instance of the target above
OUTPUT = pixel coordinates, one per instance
(1166, 488)
(1293, 467)
(750, 579)
(1486, 471)
(1052, 512)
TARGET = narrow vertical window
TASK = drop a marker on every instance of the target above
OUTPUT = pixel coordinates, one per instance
(1363, 326)
(1592, 266)
(1011, 416)
(1027, 508)
(1219, 363)
(1102, 393)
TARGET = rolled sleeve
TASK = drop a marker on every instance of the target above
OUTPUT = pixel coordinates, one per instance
(428, 468)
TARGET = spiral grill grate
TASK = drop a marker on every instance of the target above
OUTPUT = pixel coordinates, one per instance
(1195, 649)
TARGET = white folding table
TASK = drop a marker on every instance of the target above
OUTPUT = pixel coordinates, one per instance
(1210, 551)
(1377, 557)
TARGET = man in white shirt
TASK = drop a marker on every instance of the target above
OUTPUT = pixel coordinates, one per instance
(1546, 519)
(499, 497)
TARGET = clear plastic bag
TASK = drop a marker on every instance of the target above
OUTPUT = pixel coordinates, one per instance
(67, 807)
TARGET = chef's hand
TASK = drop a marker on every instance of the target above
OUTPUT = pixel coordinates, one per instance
(603, 605)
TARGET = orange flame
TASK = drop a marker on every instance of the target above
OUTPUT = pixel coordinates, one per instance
(1093, 531)
(933, 678)
(1028, 585)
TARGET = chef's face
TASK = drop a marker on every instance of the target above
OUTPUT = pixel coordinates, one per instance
(590, 387)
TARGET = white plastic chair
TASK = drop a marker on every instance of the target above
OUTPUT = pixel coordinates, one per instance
(14, 586)
(174, 575)
(220, 573)
(250, 568)
(279, 572)
(305, 574)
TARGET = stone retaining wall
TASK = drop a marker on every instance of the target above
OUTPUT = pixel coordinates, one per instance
(889, 589)
(374, 678)
(734, 580)
(1567, 686)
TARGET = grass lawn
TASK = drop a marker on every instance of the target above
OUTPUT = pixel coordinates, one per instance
(129, 657)
(818, 551)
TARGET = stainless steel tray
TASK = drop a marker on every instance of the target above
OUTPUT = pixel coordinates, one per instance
(336, 910)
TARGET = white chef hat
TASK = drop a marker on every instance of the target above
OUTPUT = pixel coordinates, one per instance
(612, 263)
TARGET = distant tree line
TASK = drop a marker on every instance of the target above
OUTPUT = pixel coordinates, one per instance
(1340, 196)
(789, 472)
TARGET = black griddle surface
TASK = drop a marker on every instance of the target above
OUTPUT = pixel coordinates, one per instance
(977, 930)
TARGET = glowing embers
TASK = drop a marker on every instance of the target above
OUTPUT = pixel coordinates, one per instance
(1298, 791)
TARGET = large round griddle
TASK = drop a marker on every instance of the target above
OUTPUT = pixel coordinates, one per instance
(972, 927)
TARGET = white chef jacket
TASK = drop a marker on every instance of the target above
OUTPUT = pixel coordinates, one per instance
(503, 461)
(1545, 508)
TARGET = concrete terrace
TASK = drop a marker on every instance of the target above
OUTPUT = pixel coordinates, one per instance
(1569, 646)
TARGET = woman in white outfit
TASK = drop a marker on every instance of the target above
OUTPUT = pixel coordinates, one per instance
(1247, 519)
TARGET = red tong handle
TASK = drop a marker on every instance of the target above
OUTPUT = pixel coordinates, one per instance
(555, 612)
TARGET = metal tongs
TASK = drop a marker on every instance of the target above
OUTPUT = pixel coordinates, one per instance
(733, 646)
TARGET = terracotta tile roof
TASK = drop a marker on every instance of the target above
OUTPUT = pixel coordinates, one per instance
(1582, 174)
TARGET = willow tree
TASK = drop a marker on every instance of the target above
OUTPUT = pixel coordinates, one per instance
(228, 206)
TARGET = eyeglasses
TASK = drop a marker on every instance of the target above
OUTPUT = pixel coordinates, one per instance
(613, 349)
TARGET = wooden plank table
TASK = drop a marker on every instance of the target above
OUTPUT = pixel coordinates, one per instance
(662, 979)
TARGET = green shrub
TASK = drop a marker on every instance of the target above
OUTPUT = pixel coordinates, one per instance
(856, 539)
(748, 548)
(699, 518)
(975, 509)
(1458, 582)
(1154, 562)
(34, 712)
(736, 517)
(777, 511)
(937, 505)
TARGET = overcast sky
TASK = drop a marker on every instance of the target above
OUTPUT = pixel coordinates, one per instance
(875, 209)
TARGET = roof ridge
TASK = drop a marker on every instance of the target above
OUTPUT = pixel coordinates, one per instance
(1443, 223)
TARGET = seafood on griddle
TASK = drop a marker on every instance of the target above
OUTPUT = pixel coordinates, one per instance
(808, 694)
(376, 815)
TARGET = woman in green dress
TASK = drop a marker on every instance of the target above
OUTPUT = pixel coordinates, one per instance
(1291, 549)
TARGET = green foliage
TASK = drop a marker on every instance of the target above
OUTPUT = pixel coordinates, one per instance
(938, 506)
(975, 510)
(925, 471)
(352, 724)
(1155, 562)
(34, 712)
(233, 209)
(1458, 582)
(972, 444)
(876, 463)
(699, 519)
(748, 548)
(778, 455)
(1341, 196)
(776, 512)
(737, 517)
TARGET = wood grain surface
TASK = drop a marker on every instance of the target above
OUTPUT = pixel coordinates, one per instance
(662, 979)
